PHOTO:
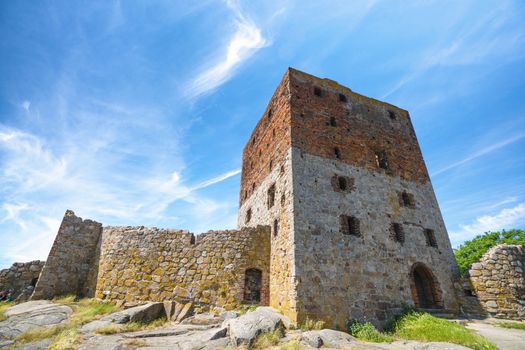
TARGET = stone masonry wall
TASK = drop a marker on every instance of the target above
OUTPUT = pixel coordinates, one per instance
(366, 277)
(279, 217)
(149, 264)
(20, 276)
(499, 282)
(372, 147)
(70, 260)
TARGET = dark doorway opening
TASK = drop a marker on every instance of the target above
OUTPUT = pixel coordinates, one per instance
(425, 288)
(252, 286)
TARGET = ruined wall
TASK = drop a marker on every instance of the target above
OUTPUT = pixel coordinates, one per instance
(499, 282)
(70, 260)
(139, 264)
(20, 276)
(369, 275)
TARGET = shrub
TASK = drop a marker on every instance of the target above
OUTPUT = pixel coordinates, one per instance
(471, 251)
(367, 332)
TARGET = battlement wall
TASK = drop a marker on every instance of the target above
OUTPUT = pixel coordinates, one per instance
(70, 260)
(150, 264)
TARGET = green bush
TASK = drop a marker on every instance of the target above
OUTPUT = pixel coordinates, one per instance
(310, 324)
(471, 251)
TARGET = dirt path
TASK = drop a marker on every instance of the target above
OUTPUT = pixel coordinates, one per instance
(505, 339)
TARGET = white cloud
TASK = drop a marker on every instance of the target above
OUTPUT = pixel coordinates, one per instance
(26, 104)
(506, 218)
(492, 36)
(245, 42)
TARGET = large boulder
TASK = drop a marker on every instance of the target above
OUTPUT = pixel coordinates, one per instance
(244, 329)
(327, 338)
(143, 313)
(30, 315)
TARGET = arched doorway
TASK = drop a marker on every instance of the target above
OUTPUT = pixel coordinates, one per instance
(252, 286)
(425, 288)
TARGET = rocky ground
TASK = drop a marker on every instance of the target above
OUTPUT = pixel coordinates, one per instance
(205, 331)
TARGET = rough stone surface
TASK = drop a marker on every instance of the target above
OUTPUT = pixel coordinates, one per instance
(324, 138)
(71, 265)
(143, 313)
(498, 280)
(30, 315)
(244, 329)
(20, 276)
(141, 264)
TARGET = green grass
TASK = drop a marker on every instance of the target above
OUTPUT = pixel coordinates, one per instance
(66, 336)
(367, 332)
(309, 325)
(131, 327)
(4, 305)
(512, 325)
(247, 308)
(293, 345)
(267, 340)
(425, 327)
(66, 340)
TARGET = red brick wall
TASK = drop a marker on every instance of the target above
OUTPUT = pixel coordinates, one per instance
(363, 127)
(272, 141)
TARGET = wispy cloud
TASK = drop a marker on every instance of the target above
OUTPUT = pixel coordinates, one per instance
(506, 218)
(479, 43)
(483, 151)
(246, 41)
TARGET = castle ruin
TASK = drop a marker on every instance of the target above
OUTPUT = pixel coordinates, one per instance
(337, 221)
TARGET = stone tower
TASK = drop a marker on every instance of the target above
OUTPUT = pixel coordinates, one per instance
(356, 228)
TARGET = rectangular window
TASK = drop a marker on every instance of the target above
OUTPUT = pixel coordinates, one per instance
(430, 238)
(271, 196)
(381, 160)
(397, 232)
(407, 200)
(248, 215)
(350, 225)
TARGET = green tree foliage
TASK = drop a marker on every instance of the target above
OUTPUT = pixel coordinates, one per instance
(471, 251)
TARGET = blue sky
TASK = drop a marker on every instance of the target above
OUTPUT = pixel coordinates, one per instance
(136, 112)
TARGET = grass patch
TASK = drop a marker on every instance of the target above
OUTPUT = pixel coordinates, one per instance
(4, 305)
(293, 345)
(268, 339)
(41, 333)
(247, 308)
(512, 325)
(135, 342)
(131, 327)
(309, 325)
(66, 340)
(367, 332)
(425, 327)
(66, 335)
(87, 310)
